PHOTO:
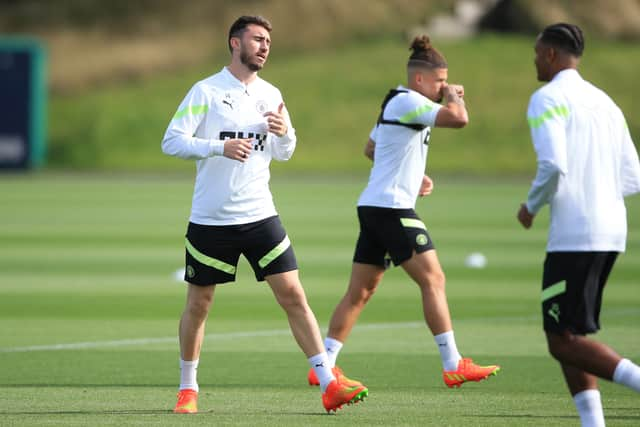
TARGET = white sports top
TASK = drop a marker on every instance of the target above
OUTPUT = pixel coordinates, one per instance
(400, 152)
(221, 107)
(587, 164)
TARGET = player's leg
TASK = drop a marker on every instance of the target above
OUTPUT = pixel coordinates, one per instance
(572, 287)
(192, 322)
(573, 284)
(364, 281)
(208, 262)
(586, 355)
(290, 295)
(586, 396)
(367, 270)
(424, 268)
(191, 335)
(272, 257)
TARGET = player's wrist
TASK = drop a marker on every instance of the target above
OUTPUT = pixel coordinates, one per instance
(216, 147)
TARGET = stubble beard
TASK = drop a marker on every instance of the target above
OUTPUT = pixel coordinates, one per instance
(245, 59)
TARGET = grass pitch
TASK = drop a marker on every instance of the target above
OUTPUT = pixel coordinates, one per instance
(89, 310)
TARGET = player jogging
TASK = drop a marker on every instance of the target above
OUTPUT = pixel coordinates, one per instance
(587, 164)
(232, 124)
(390, 229)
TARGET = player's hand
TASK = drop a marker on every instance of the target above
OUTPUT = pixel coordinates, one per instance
(426, 187)
(238, 149)
(453, 88)
(276, 121)
(525, 218)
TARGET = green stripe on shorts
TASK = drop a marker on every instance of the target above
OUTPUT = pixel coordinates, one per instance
(554, 290)
(275, 252)
(413, 223)
(207, 260)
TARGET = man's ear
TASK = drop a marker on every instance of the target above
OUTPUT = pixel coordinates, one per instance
(418, 77)
(552, 54)
(235, 42)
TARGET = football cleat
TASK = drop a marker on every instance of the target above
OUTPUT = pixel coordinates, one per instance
(187, 402)
(338, 394)
(337, 372)
(468, 371)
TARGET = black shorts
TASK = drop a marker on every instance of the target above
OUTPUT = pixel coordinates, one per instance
(212, 251)
(389, 234)
(572, 286)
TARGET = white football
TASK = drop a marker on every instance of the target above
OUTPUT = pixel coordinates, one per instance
(476, 260)
(178, 275)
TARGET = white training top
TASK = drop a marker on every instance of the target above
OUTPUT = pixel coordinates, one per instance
(400, 153)
(587, 164)
(221, 107)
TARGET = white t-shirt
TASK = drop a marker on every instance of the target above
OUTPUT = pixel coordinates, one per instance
(400, 153)
(587, 164)
(221, 107)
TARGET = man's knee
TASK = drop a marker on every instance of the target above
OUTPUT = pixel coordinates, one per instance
(433, 281)
(199, 302)
(289, 293)
(362, 295)
(561, 344)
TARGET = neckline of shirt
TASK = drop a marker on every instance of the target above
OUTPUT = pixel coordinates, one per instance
(566, 73)
(234, 80)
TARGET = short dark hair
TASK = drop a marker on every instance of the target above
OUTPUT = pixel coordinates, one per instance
(241, 24)
(563, 36)
(425, 55)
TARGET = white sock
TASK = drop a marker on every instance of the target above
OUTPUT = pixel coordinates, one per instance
(448, 350)
(188, 374)
(333, 347)
(627, 373)
(590, 408)
(320, 365)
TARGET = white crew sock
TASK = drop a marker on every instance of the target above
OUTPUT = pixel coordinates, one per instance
(188, 374)
(333, 347)
(590, 408)
(627, 373)
(320, 365)
(448, 350)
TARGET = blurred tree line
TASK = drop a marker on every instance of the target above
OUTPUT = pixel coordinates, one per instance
(93, 41)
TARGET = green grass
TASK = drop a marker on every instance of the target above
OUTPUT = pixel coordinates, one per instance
(334, 98)
(88, 260)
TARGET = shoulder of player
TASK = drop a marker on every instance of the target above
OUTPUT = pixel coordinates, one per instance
(409, 101)
(548, 95)
(209, 86)
(416, 98)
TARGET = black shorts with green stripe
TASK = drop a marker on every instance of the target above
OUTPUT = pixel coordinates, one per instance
(212, 251)
(388, 234)
(572, 286)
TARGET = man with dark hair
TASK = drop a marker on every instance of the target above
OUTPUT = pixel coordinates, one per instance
(390, 229)
(587, 164)
(233, 124)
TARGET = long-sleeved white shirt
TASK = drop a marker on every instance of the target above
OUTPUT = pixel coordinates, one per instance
(587, 164)
(215, 109)
(400, 153)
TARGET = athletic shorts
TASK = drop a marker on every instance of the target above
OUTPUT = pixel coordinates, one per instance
(212, 251)
(572, 286)
(388, 234)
